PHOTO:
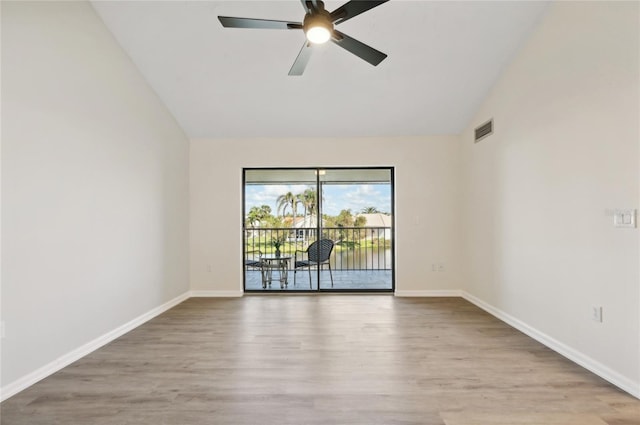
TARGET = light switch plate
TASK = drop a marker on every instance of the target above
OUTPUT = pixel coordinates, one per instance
(624, 218)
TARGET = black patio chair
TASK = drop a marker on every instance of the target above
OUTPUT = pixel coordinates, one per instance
(253, 262)
(318, 254)
(256, 264)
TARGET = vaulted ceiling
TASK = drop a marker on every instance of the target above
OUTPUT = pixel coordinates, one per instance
(443, 59)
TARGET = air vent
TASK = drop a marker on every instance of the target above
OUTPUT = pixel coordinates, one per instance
(484, 130)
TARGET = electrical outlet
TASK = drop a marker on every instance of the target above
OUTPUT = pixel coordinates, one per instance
(624, 218)
(209, 269)
(596, 313)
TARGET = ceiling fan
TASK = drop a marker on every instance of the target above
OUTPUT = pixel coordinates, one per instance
(318, 26)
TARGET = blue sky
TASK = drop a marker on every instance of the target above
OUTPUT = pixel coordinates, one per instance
(336, 197)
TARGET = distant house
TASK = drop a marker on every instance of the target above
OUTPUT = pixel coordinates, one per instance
(305, 227)
(380, 225)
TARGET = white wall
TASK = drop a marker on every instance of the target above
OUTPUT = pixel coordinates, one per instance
(94, 187)
(540, 241)
(427, 201)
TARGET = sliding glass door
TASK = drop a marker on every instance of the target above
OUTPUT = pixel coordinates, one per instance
(318, 229)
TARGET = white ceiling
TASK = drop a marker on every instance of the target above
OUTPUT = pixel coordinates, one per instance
(219, 82)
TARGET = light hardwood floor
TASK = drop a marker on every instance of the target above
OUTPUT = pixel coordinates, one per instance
(329, 359)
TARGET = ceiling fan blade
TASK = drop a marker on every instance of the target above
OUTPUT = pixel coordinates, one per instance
(301, 61)
(231, 22)
(369, 54)
(353, 8)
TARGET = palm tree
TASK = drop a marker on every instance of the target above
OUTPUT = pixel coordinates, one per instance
(308, 201)
(370, 210)
(288, 199)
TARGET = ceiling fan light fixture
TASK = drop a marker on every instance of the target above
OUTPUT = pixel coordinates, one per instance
(318, 34)
(318, 27)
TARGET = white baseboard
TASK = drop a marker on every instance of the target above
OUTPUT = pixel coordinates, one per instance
(216, 294)
(575, 356)
(429, 293)
(26, 381)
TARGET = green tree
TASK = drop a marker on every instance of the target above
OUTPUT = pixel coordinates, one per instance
(345, 219)
(360, 221)
(258, 215)
(273, 222)
(345, 222)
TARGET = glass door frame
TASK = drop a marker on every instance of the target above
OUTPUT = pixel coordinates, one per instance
(319, 171)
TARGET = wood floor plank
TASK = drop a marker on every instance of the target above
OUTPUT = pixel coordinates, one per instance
(475, 418)
(330, 359)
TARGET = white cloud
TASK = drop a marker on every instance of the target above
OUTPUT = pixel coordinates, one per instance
(357, 197)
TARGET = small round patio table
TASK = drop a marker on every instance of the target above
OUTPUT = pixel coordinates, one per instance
(271, 263)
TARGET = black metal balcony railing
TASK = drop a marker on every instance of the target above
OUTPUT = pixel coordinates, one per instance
(356, 248)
